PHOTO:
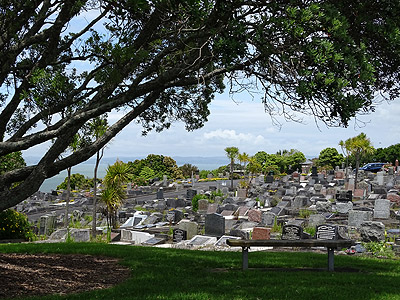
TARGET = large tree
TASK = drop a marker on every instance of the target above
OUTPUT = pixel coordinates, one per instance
(330, 157)
(64, 63)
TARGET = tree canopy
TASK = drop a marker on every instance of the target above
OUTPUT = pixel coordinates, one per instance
(330, 157)
(64, 63)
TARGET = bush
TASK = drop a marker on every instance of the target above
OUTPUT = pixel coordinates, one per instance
(77, 182)
(14, 225)
(304, 213)
(195, 201)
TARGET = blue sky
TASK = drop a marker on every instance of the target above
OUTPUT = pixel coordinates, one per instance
(246, 126)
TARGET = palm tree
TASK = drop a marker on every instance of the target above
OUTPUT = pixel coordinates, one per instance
(98, 127)
(244, 159)
(232, 153)
(358, 146)
(253, 167)
(113, 193)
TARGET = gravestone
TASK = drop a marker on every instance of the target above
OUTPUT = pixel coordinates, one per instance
(174, 216)
(80, 235)
(292, 232)
(203, 206)
(316, 220)
(154, 241)
(254, 215)
(323, 206)
(326, 232)
(200, 240)
(317, 188)
(139, 237)
(172, 203)
(261, 233)
(300, 201)
(47, 224)
(242, 211)
(212, 208)
(269, 179)
(393, 197)
(242, 193)
(126, 235)
(227, 213)
(359, 193)
(380, 178)
(356, 217)
(372, 231)
(278, 211)
(382, 209)
(344, 207)
(250, 203)
(160, 193)
(190, 227)
(214, 225)
(344, 195)
(190, 194)
(284, 203)
(179, 235)
(268, 219)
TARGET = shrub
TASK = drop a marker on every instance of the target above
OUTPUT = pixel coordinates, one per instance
(304, 213)
(311, 230)
(379, 249)
(195, 201)
(274, 201)
(14, 225)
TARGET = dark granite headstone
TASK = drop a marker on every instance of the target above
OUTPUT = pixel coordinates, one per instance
(190, 194)
(269, 179)
(160, 193)
(314, 171)
(292, 232)
(179, 235)
(326, 232)
(277, 211)
(214, 225)
(344, 195)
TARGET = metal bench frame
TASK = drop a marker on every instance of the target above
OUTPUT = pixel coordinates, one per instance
(331, 245)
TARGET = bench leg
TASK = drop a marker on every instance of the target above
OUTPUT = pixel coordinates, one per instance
(245, 258)
(331, 260)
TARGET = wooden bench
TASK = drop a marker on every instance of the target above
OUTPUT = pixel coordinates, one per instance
(329, 244)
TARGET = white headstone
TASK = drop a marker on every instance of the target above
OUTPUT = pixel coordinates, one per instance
(382, 209)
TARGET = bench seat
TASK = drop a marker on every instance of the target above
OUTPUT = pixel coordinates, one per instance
(329, 244)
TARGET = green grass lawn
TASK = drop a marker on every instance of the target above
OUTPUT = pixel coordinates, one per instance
(186, 274)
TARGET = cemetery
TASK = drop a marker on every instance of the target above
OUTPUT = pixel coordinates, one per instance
(311, 209)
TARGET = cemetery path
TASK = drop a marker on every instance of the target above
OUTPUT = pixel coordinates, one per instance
(44, 274)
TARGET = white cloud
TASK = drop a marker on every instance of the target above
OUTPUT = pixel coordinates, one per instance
(233, 137)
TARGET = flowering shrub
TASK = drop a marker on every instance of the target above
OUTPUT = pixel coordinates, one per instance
(212, 179)
(14, 225)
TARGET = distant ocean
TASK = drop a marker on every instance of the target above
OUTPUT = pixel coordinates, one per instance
(87, 168)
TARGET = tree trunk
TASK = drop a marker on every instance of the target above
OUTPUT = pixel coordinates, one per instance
(357, 167)
(232, 174)
(66, 221)
(95, 194)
